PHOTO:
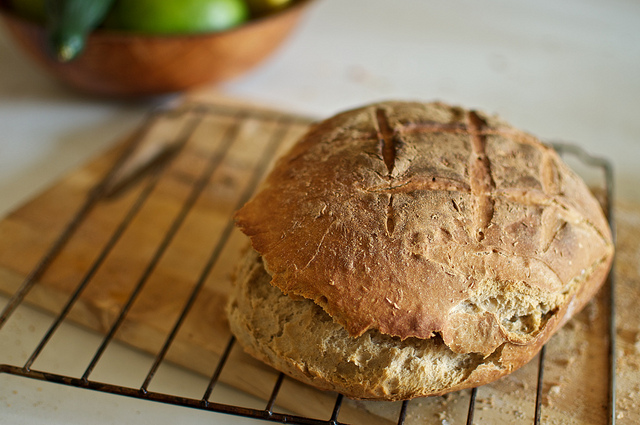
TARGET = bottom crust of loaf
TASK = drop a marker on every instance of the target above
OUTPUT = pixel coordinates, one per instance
(298, 338)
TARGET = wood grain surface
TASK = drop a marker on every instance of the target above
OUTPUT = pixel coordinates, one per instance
(160, 232)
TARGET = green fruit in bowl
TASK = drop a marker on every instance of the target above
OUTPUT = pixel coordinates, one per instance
(69, 23)
(176, 16)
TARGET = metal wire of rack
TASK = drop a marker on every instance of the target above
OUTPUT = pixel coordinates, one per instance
(154, 172)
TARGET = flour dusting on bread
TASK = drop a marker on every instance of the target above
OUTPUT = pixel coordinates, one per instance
(434, 247)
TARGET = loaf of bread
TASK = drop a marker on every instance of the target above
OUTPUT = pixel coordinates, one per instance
(402, 250)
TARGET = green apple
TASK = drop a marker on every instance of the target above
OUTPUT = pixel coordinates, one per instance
(176, 16)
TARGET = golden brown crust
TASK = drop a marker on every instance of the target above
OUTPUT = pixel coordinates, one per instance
(415, 219)
(298, 338)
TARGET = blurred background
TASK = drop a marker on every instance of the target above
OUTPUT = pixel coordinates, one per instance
(567, 71)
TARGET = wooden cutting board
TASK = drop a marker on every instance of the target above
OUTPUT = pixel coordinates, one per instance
(164, 229)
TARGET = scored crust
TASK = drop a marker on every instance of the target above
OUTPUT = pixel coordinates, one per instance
(420, 219)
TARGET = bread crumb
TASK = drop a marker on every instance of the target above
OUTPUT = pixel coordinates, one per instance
(565, 361)
(486, 403)
(550, 390)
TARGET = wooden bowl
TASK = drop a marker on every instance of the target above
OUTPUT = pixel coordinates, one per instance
(121, 64)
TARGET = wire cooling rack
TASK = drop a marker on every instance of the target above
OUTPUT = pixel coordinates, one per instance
(145, 170)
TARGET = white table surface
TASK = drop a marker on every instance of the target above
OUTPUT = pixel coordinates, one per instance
(563, 70)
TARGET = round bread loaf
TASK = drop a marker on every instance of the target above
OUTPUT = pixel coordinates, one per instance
(409, 249)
